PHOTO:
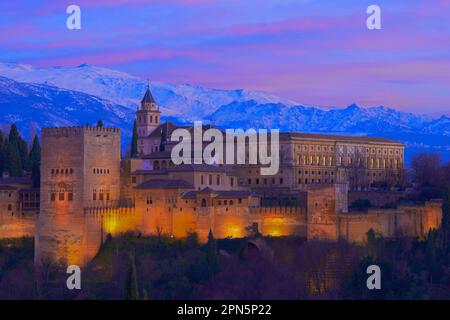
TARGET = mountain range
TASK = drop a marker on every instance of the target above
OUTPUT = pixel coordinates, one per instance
(58, 96)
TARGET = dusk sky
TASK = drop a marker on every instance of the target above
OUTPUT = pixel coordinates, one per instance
(313, 52)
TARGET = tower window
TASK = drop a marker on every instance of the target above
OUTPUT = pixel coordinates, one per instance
(61, 196)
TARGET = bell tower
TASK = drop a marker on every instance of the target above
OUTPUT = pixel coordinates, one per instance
(148, 115)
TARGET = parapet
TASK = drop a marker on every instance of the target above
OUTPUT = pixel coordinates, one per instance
(77, 131)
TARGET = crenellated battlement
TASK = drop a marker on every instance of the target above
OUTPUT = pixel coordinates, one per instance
(77, 131)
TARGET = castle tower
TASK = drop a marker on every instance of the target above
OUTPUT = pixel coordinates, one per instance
(80, 168)
(148, 116)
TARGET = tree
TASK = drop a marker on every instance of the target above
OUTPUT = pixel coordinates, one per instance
(23, 153)
(35, 162)
(131, 285)
(427, 170)
(100, 123)
(13, 162)
(134, 148)
(35, 153)
(211, 253)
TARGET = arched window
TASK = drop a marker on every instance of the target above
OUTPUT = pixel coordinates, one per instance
(203, 202)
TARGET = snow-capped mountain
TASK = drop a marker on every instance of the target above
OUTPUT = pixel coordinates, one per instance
(352, 119)
(60, 96)
(176, 100)
(45, 106)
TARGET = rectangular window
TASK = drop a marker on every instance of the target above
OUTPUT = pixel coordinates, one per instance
(61, 196)
(70, 196)
(210, 179)
(52, 197)
(218, 180)
(107, 197)
(232, 181)
(202, 180)
(100, 197)
(133, 179)
(94, 196)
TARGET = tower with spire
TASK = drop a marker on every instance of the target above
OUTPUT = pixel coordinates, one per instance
(148, 115)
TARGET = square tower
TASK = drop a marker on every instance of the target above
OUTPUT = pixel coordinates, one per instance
(80, 167)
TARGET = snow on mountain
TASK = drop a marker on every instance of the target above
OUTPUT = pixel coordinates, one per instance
(176, 100)
(353, 119)
(46, 106)
(59, 96)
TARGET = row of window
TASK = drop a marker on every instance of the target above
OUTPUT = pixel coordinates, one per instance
(331, 148)
(340, 161)
(219, 202)
(228, 202)
(100, 171)
(306, 172)
(61, 196)
(264, 181)
(313, 181)
(210, 180)
(101, 196)
(62, 171)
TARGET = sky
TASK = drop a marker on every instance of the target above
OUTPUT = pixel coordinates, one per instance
(314, 52)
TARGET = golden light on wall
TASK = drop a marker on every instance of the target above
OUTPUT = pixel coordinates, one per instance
(276, 227)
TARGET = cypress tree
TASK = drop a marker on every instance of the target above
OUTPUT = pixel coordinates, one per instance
(211, 253)
(13, 159)
(35, 161)
(100, 123)
(134, 148)
(35, 153)
(131, 286)
(23, 153)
